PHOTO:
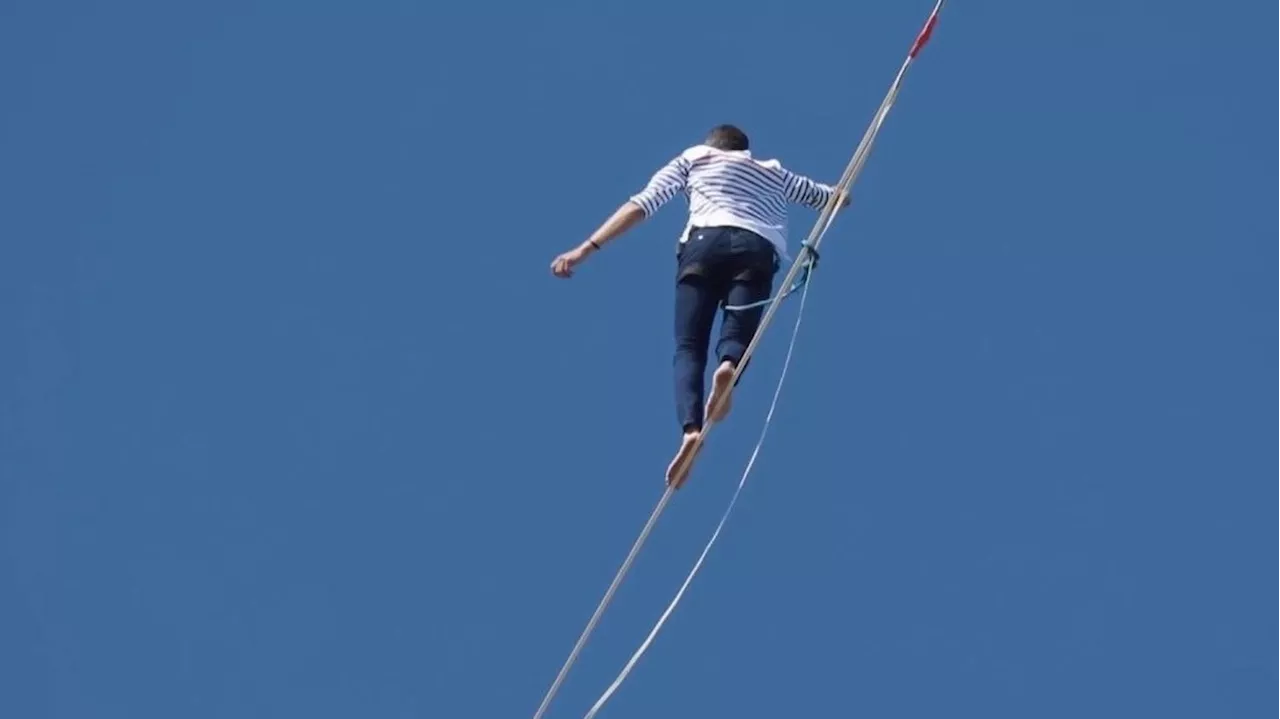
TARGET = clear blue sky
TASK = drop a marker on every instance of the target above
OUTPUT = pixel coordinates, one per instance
(295, 422)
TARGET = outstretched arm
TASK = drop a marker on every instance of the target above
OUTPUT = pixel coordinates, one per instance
(624, 218)
(663, 186)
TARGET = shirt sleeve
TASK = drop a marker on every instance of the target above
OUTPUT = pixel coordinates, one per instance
(804, 191)
(663, 186)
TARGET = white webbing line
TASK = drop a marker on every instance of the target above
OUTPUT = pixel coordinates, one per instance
(815, 239)
(773, 405)
(825, 219)
(608, 597)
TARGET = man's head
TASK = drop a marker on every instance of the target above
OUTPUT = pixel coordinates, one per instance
(727, 137)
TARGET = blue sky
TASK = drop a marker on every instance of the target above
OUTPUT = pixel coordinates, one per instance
(294, 421)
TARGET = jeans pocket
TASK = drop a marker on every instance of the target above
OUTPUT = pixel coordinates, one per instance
(692, 256)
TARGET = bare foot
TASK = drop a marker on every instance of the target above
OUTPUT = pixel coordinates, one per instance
(721, 400)
(678, 470)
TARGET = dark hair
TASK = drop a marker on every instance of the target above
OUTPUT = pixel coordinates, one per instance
(727, 137)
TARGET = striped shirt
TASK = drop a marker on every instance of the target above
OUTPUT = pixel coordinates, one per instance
(731, 188)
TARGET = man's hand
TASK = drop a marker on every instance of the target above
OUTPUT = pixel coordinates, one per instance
(563, 265)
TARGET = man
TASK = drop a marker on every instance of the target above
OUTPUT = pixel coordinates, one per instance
(728, 254)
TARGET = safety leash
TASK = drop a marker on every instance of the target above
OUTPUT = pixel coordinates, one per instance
(811, 264)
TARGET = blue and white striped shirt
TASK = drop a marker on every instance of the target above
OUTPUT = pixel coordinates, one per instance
(731, 188)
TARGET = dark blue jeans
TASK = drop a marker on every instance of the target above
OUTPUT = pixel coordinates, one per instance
(717, 266)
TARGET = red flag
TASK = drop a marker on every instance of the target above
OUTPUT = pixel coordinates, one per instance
(923, 37)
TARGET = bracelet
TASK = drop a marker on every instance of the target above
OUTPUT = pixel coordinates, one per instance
(593, 244)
